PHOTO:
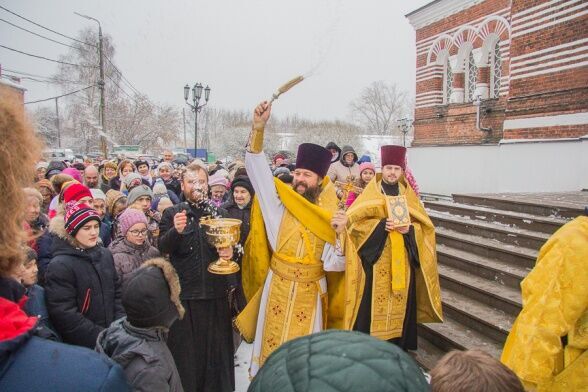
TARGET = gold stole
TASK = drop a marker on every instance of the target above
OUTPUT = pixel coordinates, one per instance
(391, 272)
(294, 288)
(299, 250)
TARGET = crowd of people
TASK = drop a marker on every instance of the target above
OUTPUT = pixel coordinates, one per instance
(106, 263)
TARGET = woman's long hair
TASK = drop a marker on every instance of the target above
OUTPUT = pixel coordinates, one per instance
(20, 149)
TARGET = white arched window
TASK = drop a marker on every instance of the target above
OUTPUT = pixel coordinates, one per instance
(496, 74)
(470, 78)
(447, 82)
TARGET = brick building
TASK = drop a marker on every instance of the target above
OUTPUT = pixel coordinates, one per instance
(526, 59)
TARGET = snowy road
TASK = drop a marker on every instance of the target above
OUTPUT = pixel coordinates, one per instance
(242, 359)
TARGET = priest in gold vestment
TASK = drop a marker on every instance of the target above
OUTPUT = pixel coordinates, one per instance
(391, 275)
(547, 346)
(294, 251)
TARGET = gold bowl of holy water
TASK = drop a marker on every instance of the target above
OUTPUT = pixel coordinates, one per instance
(222, 233)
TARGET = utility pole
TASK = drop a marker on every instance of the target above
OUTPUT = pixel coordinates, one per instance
(103, 145)
(184, 118)
(57, 124)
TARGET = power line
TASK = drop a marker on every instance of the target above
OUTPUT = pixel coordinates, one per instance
(46, 28)
(123, 77)
(38, 35)
(48, 59)
(121, 89)
(46, 79)
(60, 96)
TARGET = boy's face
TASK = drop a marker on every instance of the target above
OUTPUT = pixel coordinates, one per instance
(29, 273)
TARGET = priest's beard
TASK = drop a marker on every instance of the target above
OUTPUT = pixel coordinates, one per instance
(309, 193)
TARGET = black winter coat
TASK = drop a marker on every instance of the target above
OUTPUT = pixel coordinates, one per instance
(83, 292)
(190, 254)
(244, 215)
(174, 186)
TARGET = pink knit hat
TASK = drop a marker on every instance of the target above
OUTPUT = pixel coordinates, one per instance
(217, 179)
(74, 173)
(367, 165)
(129, 218)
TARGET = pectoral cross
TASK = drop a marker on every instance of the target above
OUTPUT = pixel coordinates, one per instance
(346, 188)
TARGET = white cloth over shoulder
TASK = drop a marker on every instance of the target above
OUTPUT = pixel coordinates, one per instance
(273, 209)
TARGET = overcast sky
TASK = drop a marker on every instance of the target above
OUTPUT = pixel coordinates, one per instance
(243, 49)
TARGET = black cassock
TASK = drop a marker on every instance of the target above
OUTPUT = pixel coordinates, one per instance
(369, 254)
(202, 342)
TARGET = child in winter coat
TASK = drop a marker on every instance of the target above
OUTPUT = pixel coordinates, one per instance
(82, 288)
(134, 248)
(138, 341)
(367, 171)
(35, 304)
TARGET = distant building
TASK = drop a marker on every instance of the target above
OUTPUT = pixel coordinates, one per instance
(11, 87)
(527, 60)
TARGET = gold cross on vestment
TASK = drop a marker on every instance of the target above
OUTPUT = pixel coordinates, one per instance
(346, 188)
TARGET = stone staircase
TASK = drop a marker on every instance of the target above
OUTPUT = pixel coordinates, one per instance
(485, 247)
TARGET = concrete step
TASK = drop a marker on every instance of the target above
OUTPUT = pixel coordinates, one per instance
(489, 248)
(475, 315)
(530, 222)
(530, 205)
(505, 273)
(427, 354)
(502, 233)
(451, 335)
(488, 292)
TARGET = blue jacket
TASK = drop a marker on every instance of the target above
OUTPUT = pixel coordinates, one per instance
(29, 363)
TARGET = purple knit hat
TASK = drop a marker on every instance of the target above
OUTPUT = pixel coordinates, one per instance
(313, 157)
(129, 218)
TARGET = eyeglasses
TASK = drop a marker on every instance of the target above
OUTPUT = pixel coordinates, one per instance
(138, 233)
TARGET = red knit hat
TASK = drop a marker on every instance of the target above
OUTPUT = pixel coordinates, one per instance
(75, 192)
(393, 155)
(77, 215)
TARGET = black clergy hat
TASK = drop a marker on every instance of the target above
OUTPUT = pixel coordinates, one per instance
(313, 157)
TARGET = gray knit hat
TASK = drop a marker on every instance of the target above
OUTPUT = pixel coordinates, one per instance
(137, 192)
(132, 178)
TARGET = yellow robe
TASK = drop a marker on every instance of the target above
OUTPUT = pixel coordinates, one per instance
(296, 267)
(391, 272)
(555, 304)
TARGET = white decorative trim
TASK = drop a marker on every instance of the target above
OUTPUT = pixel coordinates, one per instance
(438, 10)
(550, 16)
(547, 121)
(430, 77)
(518, 67)
(433, 92)
(424, 75)
(550, 49)
(552, 23)
(536, 15)
(444, 41)
(504, 13)
(549, 70)
(533, 9)
(436, 101)
(428, 105)
(428, 68)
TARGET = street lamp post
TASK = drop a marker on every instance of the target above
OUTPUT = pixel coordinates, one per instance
(405, 124)
(196, 95)
(100, 86)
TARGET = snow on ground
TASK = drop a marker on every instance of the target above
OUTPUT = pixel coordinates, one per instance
(242, 359)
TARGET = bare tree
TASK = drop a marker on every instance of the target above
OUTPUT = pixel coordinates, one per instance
(45, 125)
(378, 108)
(131, 118)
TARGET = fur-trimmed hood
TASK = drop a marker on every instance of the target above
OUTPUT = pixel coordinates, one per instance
(151, 296)
(57, 226)
(172, 280)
